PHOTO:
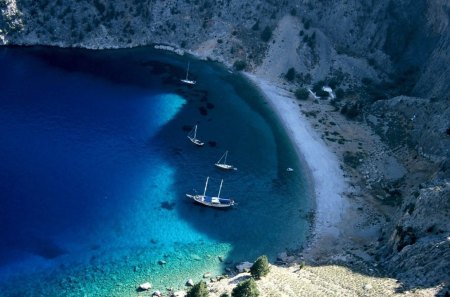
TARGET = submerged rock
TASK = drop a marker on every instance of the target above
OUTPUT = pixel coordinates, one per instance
(207, 275)
(190, 283)
(178, 294)
(145, 286)
(244, 267)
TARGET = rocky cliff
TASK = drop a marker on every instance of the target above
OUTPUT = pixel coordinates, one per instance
(391, 58)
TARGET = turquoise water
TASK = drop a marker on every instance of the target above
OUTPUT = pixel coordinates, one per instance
(96, 164)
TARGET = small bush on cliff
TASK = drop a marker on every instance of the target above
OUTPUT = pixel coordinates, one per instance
(266, 34)
(340, 93)
(198, 290)
(290, 75)
(239, 65)
(351, 110)
(260, 268)
(301, 94)
(247, 288)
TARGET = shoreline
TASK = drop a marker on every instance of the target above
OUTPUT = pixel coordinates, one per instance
(323, 166)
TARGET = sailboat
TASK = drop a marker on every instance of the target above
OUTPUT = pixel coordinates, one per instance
(187, 80)
(224, 165)
(211, 201)
(193, 137)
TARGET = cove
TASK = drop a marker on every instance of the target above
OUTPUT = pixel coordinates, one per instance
(96, 164)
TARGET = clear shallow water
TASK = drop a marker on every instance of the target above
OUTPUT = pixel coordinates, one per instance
(95, 164)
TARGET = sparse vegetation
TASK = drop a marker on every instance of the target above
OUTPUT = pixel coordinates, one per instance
(255, 27)
(239, 65)
(266, 34)
(351, 110)
(339, 93)
(301, 94)
(198, 290)
(290, 75)
(353, 159)
(260, 268)
(246, 288)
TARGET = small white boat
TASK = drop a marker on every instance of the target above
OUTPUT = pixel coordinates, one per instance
(289, 169)
(193, 137)
(216, 202)
(187, 80)
(224, 165)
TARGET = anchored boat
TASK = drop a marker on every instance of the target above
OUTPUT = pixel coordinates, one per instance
(193, 137)
(211, 201)
(224, 165)
(187, 80)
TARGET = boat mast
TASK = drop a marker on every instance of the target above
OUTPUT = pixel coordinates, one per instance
(218, 195)
(226, 154)
(187, 71)
(195, 132)
(206, 185)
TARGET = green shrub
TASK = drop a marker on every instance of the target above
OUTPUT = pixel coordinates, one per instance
(247, 288)
(322, 94)
(318, 86)
(255, 27)
(260, 268)
(198, 290)
(340, 93)
(239, 65)
(100, 6)
(351, 110)
(301, 94)
(290, 75)
(266, 34)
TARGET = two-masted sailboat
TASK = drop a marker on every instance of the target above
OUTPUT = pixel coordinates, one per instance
(210, 200)
(187, 80)
(193, 137)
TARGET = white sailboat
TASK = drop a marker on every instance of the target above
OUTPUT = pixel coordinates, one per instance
(211, 201)
(193, 137)
(187, 80)
(224, 165)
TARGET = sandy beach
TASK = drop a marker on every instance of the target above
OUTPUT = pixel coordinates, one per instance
(323, 166)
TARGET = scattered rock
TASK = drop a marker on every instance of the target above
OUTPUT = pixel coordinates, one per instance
(207, 275)
(179, 294)
(190, 283)
(161, 262)
(282, 256)
(196, 257)
(244, 267)
(145, 286)
(368, 287)
(220, 258)
(157, 293)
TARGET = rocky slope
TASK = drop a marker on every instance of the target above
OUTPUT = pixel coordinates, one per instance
(391, 59)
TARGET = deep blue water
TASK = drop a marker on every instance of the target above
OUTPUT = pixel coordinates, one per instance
(95, 163)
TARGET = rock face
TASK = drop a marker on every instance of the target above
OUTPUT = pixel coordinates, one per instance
(418, 250)
(391, 57)
(408, 40)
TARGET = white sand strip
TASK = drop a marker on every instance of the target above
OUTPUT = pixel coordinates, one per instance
(328, 178)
